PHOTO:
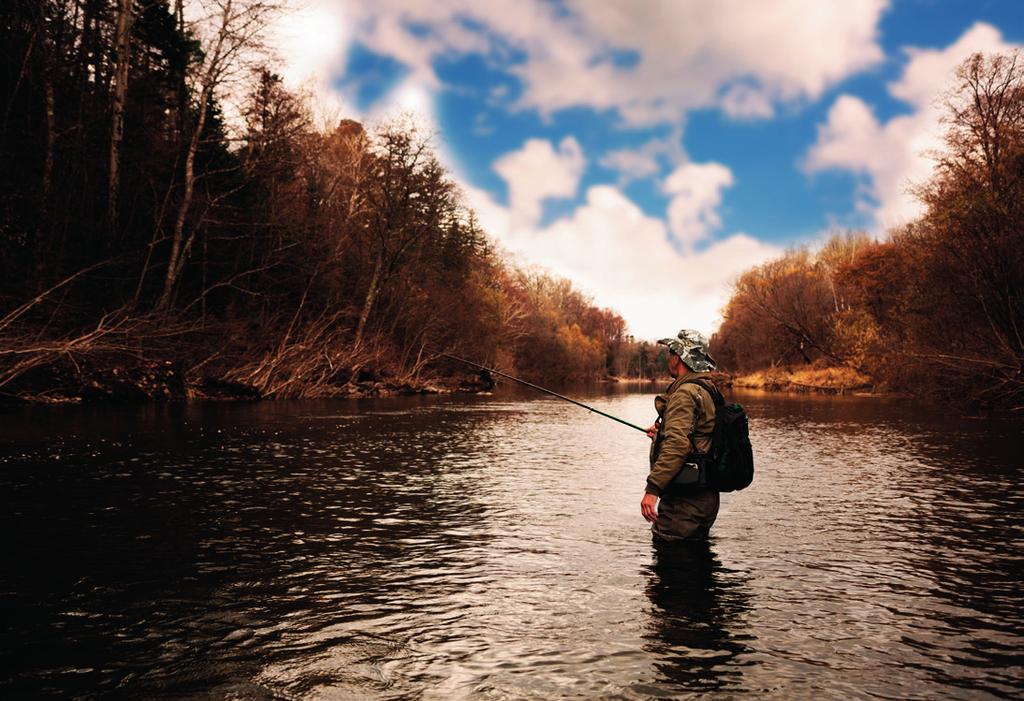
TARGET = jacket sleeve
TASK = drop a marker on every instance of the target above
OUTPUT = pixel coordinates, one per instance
(678, 422)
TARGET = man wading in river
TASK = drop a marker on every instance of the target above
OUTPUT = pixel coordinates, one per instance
(682, 433)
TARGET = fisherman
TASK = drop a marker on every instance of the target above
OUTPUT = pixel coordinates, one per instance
(682, 433)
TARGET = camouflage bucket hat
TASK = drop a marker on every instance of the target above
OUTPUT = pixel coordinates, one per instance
(692, 348)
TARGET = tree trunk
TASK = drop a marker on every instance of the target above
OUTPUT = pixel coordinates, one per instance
(179, 246)
(43, 230)
(123, 44)
(21, 77)
(179, 249)
(371, 297)
(51, 137)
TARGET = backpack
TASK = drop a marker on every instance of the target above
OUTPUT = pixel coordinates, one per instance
(729, 467)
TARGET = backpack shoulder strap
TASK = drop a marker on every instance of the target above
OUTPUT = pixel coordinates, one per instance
(716, 396)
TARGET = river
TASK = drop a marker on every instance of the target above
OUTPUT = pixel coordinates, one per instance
(492, 547)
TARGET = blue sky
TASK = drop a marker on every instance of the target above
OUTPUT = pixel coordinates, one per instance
(652, 151)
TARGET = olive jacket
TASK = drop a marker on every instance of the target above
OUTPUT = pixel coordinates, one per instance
(683, 409)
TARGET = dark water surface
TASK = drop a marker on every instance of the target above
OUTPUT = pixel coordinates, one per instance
(492, 547)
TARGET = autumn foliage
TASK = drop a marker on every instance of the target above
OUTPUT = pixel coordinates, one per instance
(935, 308)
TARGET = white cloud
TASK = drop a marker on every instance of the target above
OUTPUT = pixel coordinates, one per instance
(538, 172)
(646, 160)
(848, 138)
(632, 164)
(893, 155)
(312, 42)
(696, 190)
(690, 53)
(675, 56)
(746, 102)
(625, 260)
(409, 99)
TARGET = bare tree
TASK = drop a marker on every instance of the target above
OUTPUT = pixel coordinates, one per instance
(974, 225)
(411, 198)
(236, 31)
(985, 119)
(122, 41)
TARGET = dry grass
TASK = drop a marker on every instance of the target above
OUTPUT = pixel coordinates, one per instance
(830, 380)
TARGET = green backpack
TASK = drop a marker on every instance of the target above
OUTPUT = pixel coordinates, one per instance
(729, 467)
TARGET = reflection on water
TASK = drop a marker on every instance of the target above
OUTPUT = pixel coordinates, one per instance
(697, 618)
(492, 547)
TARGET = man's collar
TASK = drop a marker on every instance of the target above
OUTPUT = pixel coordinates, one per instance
(689, 374)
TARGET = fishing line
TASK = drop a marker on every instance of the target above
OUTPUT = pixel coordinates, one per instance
(546, 391)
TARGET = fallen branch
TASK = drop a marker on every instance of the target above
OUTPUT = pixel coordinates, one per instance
(21, 310)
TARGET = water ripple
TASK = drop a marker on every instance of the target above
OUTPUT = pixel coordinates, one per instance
(492, 548)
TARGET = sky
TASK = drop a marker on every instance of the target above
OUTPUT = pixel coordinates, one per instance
(653, 151)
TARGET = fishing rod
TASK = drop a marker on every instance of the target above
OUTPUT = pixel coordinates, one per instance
(546, 391)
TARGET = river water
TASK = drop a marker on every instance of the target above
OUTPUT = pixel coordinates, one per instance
(492, 547)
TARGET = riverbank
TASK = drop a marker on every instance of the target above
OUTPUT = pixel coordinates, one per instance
(829, 380)
(168, 380)
(122, 378)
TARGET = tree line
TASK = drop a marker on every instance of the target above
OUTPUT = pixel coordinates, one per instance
(934, 308)
(141, 227)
